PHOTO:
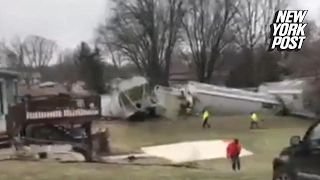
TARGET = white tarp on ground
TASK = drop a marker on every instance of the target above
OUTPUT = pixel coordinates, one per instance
(191, 151)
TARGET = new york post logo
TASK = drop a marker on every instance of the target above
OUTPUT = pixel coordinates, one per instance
(287, 30)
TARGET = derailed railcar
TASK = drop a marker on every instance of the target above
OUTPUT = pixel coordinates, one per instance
(130, 99)
(53, 119)
(230, 101)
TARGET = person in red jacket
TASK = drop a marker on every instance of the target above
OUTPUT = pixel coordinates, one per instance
(233, 153)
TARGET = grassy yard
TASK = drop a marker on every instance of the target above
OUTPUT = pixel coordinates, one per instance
(265, 144)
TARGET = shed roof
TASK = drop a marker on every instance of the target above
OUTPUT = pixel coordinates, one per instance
(7, 72)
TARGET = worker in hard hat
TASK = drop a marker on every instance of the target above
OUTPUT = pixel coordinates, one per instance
(254, 121)
(205, 119)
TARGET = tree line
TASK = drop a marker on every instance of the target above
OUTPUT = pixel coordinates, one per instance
(35, 54)
(205, 33)
(144, 36)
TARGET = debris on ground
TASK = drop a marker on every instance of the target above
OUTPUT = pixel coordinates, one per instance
(25, 153)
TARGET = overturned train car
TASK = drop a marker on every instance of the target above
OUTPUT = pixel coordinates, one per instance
(131, 97)
(230, 101)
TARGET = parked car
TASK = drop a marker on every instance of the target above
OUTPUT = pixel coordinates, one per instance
(300, 160)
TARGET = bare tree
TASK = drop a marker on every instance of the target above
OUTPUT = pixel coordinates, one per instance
(251, 29)
(39, 51)
(308, 65)
(34, 52)
(146, 32)
(16, 59)
(253, 20)
(306, 62)
(14, 53)
(65, 69)
(30, 55)
(250, 23)
(104, 42)
(206, 28)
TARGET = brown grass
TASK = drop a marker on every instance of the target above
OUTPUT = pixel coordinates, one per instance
(265, 144)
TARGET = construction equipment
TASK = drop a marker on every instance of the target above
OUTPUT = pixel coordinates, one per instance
(58, 119)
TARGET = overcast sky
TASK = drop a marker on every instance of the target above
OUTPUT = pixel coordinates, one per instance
(66, 21)
(71, 21)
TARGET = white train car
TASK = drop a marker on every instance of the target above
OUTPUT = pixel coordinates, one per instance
(291, 93)
(129, 97)
(230, 101)
(169, 100)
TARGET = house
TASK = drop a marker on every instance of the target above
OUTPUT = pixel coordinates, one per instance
(8, 94)
(183, 68)
(181, 72)
(3, 60)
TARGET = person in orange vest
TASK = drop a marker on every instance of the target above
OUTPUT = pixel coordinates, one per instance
(233, 153)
